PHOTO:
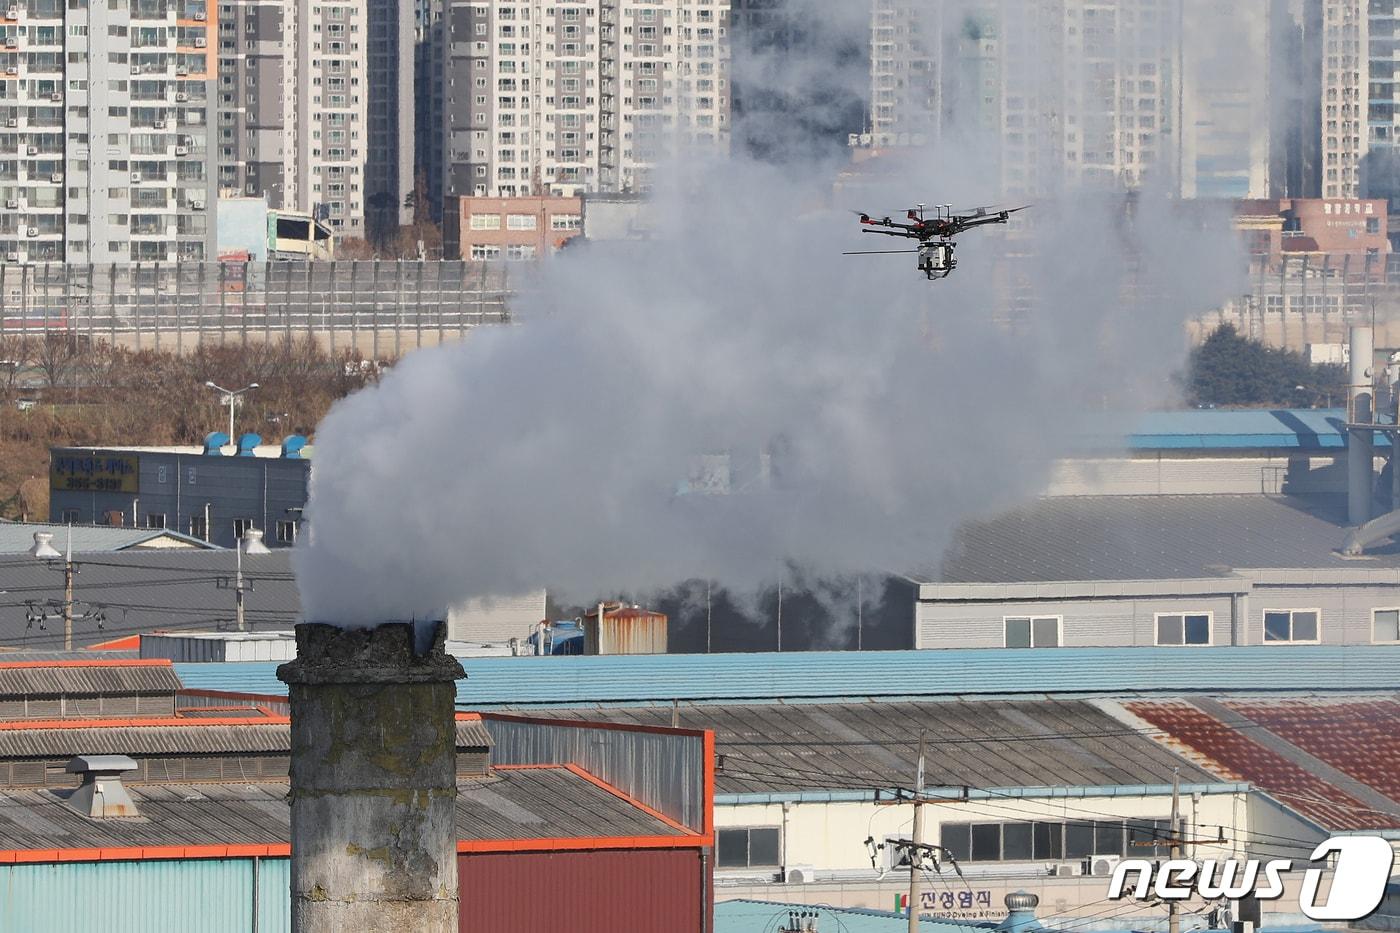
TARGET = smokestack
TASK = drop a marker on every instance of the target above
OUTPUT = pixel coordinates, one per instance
(1360, 458)
(373, 775)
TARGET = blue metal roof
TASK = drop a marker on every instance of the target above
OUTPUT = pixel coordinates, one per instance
(1238, 429)
(828, 675)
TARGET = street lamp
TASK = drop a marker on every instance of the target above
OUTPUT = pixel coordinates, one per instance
(230, 399)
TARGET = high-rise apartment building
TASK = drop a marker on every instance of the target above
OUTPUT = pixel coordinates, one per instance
(564, 97)
(906, 40)
(1345, 88)
(292, 106)
(391, 114)
(104, 147)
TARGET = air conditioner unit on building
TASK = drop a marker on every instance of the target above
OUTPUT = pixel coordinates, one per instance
(200, 42)
(1103, 865)
(12, 42)
(181, 71)
(33, 231)
(136, 176)
(160, 124)
(136, 69)
(56, 97)
(33, 150)
(182, 150)
(200, 16)
(12, 205)
(196, 205)
(12, 13)
(1065, 870)
(181, 97)
(12, 70)
(56, 177)
(12, 122)
(799, 874)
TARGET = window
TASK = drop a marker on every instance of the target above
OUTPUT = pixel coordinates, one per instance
(70, 517)
(286, 532)
(518, 252)
(155, 520)
(1385, 625)
(565, 222)
(755, 847)
(1183, 628)
(1033, 632)
(485, 222)
(1291, 625)
(485, 252)
(1039, 841)
(520, 221)
(241, 526)
(1373, 225)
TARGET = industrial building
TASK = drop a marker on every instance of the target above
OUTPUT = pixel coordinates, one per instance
(815, 748)
(193, 490)
(482, 228)
(206, 782)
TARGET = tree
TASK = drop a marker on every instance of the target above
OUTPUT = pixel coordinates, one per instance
(1228, 369)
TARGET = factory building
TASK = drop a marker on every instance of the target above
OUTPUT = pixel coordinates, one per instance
(618, 819)
(192, 490)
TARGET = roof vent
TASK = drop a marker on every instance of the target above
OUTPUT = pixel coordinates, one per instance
(1020, 913)
(43, 545)
(101, 795)
(247, 443)
(292, 445)
(214, 443)
(253, 542)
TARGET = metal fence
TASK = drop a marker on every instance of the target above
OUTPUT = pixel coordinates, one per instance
(383, 307)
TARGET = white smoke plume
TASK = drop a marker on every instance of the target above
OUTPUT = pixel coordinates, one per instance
(551, 453)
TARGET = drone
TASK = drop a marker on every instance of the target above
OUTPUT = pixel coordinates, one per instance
(935, 234)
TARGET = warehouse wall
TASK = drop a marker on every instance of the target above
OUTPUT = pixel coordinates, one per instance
(640, 891)
(151, 896)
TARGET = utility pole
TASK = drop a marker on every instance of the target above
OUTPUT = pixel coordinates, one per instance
(238, 589)
(915, 852)
(68, 593)
(1173, 910)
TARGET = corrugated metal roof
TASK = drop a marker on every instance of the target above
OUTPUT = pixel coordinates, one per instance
(141, 591)
(1020, 743)
(18, 537)
(97, 679)
(815, 675)
(1150, 538)
(195, 737)
(1335, 761)
(1215, 429)
(531, 803)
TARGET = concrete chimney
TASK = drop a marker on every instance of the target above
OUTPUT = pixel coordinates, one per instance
(373, 779)
(1360, 410)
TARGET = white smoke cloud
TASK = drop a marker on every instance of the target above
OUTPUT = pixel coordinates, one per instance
(550, 453)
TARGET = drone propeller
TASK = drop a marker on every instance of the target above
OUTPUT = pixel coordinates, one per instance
(864, 217)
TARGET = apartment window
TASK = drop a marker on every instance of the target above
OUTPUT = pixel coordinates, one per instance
(241, 526)
(485, 222)
(70, 517)
(1385, 625)
(520, 221)
(155, 520)
(485, 252)
(753, 847)
(286, 532)
(1299, 626)
(1188, 628)
(565, 222)
(198, 528)
(1032, 631)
